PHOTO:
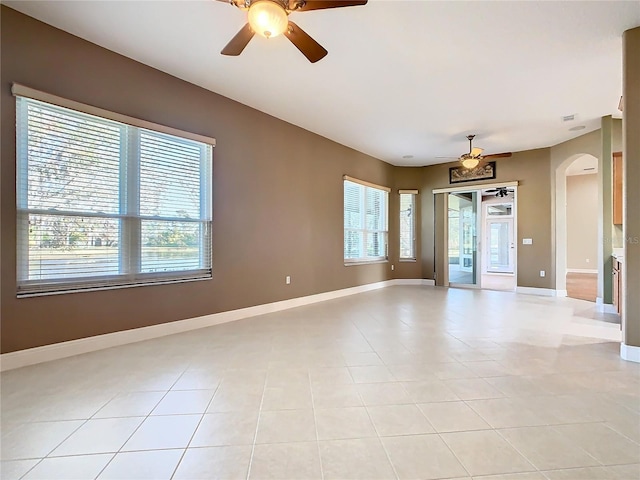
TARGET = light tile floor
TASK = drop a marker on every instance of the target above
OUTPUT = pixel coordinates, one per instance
(401, 383)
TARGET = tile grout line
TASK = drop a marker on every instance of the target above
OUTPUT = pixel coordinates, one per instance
(255, 436)
(375, 429)
(196, 429)
(68, 436)
(136, 416)
(138, 427)
(453, 453)
(435, 432)
(315, 423)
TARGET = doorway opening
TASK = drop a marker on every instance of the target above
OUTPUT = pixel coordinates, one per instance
(499, 221)
(481, 238)
(581, 186)
(462, 229)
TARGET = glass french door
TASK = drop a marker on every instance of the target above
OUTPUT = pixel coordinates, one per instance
(463, 238)
(500, 245)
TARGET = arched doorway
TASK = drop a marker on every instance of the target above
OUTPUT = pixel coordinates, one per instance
(578, 178)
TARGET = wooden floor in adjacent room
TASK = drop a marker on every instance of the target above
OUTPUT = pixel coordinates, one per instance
(583, 286)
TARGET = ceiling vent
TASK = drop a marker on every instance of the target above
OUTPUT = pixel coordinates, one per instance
(569, 118)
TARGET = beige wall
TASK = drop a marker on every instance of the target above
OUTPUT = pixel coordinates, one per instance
(562, 155)
(532, 170)
(277, 194)
(582, 224)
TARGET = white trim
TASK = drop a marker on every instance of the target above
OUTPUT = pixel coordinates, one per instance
(475, 187)
(561, 293)
(582, 270)
(545, 292)
(605, 307)
(629, 352)
(365, 183)
(411, 192)
(413, 281)
(19, 90)
(56, 351)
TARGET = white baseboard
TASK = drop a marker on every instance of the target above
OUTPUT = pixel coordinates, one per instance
(582, 270)
(630, 353)
(561, 293)
(545, 292)
(605, 307)
(406, 281)
(56, 351)
(413, 281)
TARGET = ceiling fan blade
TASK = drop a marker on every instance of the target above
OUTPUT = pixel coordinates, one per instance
(476, 151)
(498, 155)
(237, 43)
(303, 42)
(306, 5)
(236, 3)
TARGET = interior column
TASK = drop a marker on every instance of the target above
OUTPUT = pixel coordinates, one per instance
(630, 349)
(605, 224)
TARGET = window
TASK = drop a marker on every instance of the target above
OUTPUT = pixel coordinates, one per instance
(103, 203)
(502, 209)
(365, 221)
(408, 224)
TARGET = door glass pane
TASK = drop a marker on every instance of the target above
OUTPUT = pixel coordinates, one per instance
(499, 210)
(500, 244)
(462, 238)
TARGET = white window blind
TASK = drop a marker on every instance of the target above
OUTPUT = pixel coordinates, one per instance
(102, 203)
(407, 226)
(365, 222)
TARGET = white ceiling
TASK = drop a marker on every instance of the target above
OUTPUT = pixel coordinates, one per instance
(401, 78)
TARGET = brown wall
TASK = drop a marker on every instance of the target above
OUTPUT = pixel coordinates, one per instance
(532, 170)
(277, 194)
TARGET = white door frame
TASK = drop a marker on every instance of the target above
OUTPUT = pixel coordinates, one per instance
(487, 250)
(478, 239)
(479, 244)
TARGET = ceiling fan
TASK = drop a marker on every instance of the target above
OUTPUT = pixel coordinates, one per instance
(269, 18)
(474, 157)
(500, 191)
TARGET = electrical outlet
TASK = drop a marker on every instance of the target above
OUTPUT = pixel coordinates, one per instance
(527, 241)
(393, 267)
(542, 273)
(587, 260)
(287, 280)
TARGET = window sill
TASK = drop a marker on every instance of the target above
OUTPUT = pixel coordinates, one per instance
(371, 262)
(109, 287)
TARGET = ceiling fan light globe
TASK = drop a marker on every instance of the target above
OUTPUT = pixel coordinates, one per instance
(267, 18)
(469, 162)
